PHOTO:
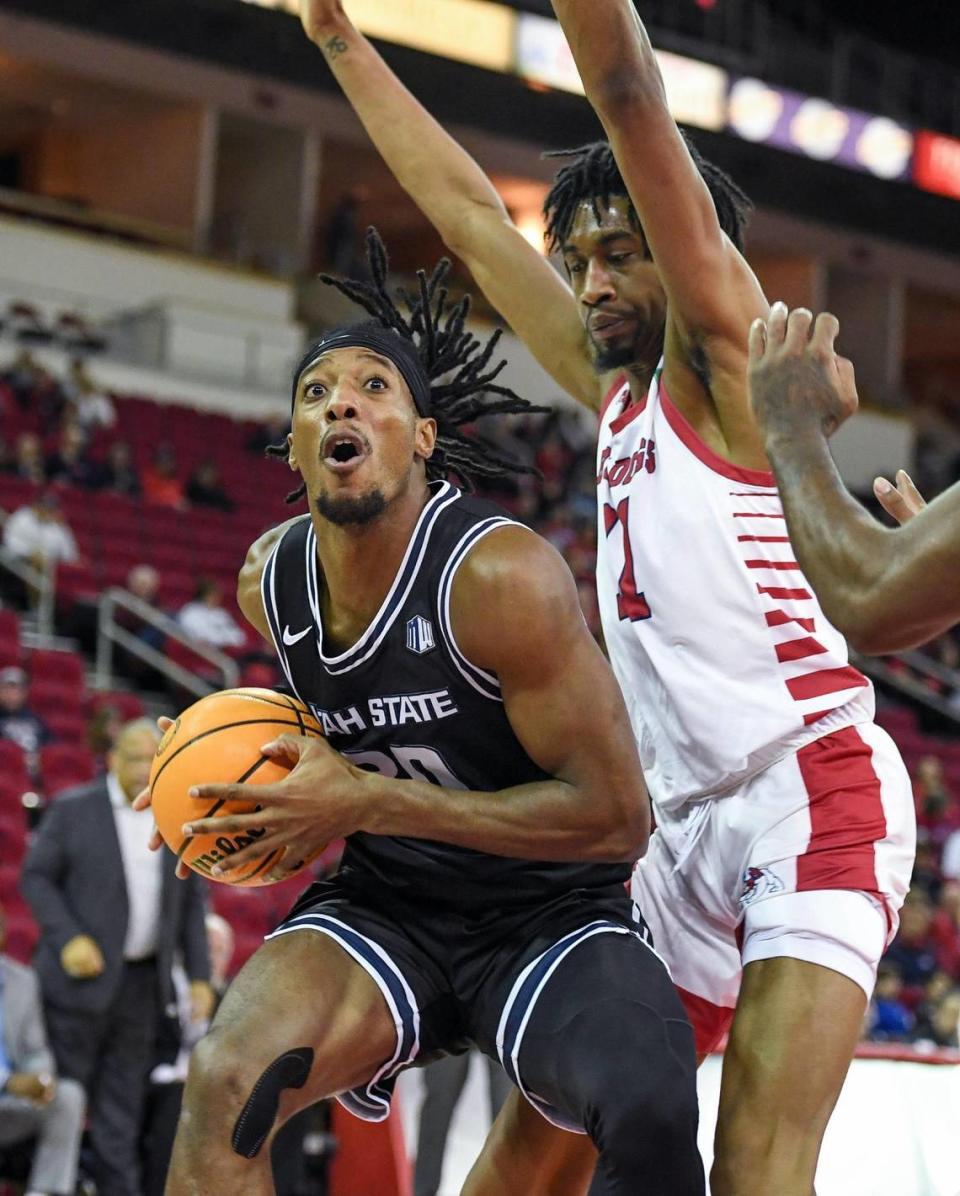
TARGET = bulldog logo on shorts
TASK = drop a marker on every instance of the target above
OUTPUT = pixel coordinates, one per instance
(757, 883)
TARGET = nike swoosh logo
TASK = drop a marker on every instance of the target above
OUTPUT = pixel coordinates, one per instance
(290, 640)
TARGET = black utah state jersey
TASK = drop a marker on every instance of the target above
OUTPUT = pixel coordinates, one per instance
(405, 702)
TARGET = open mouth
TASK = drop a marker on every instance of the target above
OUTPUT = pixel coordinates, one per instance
(343, 451)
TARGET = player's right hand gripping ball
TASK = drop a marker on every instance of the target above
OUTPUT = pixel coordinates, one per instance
(217, 741)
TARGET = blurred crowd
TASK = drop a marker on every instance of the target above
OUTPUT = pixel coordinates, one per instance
(917, 997)
(78, 448)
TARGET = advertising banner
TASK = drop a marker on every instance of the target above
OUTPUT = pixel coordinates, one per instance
(820, 130)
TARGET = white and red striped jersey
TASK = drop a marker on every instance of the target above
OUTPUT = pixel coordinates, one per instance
(725, 659)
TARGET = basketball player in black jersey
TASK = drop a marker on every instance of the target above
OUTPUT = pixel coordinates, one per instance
(480, 764)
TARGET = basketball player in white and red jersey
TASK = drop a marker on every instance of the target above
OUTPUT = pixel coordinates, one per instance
(785, 837)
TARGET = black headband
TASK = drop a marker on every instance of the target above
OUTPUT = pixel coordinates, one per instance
(384, 341)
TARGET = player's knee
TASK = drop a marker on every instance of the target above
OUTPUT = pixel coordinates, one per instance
(221, 1070)
(640, 1099)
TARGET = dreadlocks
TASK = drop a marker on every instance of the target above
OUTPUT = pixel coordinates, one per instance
(593, 176)
(456, 363)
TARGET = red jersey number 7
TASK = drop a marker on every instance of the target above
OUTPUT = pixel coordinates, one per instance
(631, 603)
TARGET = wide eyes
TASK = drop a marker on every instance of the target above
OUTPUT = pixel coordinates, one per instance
(375, 383)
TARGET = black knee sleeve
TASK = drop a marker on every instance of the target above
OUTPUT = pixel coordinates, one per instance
(627, 1074)
(259, 1113)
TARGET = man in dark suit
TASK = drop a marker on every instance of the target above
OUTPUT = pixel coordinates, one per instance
(33, 1103)
(112, 917)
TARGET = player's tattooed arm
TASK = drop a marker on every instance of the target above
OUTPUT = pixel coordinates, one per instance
(248, 583)
(458, 199)
(334, 47)
(885, 589)
(515, 612)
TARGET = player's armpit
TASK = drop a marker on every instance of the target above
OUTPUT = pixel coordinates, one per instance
(515, 612)
(248, 582)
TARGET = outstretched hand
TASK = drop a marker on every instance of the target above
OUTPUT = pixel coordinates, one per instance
(323, 798)
(902, 501)
(797, 380)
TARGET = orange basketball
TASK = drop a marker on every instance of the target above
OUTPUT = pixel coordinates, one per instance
(217, 741)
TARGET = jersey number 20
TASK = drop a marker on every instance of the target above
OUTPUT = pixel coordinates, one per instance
(417, 763)
(631, 603)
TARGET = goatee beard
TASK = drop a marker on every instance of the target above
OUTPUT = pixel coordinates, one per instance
(613, 357)
(344, 512)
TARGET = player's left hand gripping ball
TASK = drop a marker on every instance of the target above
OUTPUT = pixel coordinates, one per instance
(260, 814)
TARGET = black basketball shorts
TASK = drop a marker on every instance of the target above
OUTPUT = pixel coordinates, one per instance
(451, 978)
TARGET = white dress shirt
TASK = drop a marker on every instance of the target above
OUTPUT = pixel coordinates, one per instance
(142, 869)
(25, 534)
(211, 624)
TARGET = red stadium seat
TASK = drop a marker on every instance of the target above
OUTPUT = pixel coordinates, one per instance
(50, 697)
(66, 667)
(13, 834)
(63, 765)
(129, 705)
(76, 583)
(12, 760)
(68, 726)
(9, 625)
(22, 936)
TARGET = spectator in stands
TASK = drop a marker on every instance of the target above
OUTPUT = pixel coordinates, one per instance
(271, 431)
(17, 721)
(33, 1103)
(945, 928)
(71, 463)
(143, 581)
(891, 1020)
(342, 240)
(39, 533)
(27, 462)
(86, 403)
(102, 730)
(177, 1036)
(119, 472)
(443, 1083)
(33, 387)
(936, 988)
(161, 480)
(112, 917)
(950, 859)
(206, 619)
(942, 1026)
(915, 950)
(205, 490)
(934, 802)
(220, 944)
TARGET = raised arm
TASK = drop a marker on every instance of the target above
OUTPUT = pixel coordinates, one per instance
(564, 706)
(459, 201)
(712, 292)
(885, 589)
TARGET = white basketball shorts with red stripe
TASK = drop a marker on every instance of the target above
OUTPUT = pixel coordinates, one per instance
(809, 859)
